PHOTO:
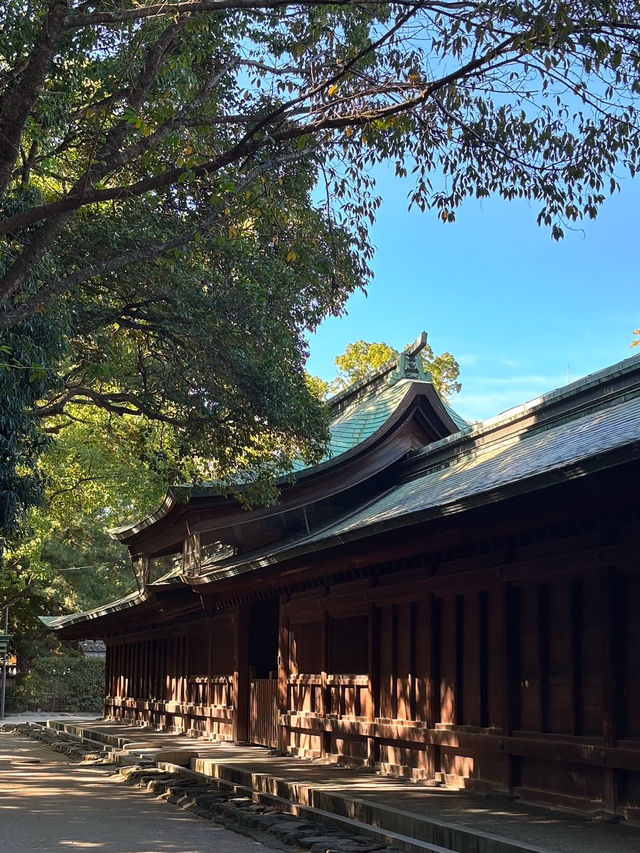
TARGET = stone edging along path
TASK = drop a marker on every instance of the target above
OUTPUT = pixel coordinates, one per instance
(213, 801)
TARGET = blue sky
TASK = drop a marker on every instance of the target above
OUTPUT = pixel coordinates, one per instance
(520, 312)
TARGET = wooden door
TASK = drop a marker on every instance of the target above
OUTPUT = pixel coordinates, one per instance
(263, 712)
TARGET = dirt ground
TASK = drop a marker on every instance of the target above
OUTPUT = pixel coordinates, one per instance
(48, 804)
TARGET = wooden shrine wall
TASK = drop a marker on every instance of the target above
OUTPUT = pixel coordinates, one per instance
(499, 651)
(182, 681)
(519, 675)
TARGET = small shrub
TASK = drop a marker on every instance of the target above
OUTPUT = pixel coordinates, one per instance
(64, 681)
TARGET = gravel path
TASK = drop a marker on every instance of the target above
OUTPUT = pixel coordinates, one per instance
(48, 804)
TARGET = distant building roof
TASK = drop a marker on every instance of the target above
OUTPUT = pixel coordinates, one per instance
(93, 648)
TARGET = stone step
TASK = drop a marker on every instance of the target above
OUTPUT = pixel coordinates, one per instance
(405, 830)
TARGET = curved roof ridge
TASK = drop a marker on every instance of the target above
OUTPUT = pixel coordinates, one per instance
(373, 380)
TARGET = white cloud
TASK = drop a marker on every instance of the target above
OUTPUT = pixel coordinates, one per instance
(468, 359)
(488, 396)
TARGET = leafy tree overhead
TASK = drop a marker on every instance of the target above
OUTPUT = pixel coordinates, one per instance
(360, 359)
(186, 187)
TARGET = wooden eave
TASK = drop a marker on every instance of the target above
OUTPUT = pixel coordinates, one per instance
(440, 541)
(419, 419)
(496, 521)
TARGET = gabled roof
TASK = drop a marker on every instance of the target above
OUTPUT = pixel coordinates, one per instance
(357, 415)
(362, 408)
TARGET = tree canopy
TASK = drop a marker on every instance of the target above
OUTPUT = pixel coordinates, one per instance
(361, 359)
(186, 188)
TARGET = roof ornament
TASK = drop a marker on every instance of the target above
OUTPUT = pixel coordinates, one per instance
(410, 364)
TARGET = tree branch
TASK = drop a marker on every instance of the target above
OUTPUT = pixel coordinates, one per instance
(192, 7)
(20, 97)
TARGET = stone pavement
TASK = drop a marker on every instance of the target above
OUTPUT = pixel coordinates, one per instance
(436, 815)
(48, 804)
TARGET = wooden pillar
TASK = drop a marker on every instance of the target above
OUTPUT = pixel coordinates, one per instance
(373, 668)
(118, 691)
(191, 555)
(283, 676)
(483, 657)
(575, 621)
(169, 677)
(543, 593)
(241, 674)
(508, 672)
(127, 669)
(458, 698)
(146, 660)
(133, 672)
(433, 682)
(185, 668)
(108, 675)
(155, 670)
(610, 664)
(325, 699)
(412, 659)
(394, 660)
(326, 704)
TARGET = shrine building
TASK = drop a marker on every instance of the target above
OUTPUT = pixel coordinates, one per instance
(449, 602)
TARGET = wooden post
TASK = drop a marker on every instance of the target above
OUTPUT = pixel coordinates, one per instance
(412, 659)
(283, 676)
(433, 682)
(241, 675)
(186, 668)
(508, 672)
(373, 667)
(483, 656)
(543, 656)
(458, 696)
(575, 604)
(326, 703)
(394, 660)
(191, 559)
(108, 675)
(609, 683)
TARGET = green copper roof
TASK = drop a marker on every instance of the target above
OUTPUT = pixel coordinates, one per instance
(362, 409)
(359, 421)
(355, 414)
